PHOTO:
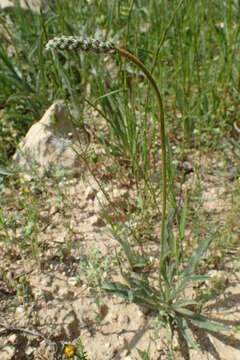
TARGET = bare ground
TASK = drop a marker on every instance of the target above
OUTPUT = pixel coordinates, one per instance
(53, 300)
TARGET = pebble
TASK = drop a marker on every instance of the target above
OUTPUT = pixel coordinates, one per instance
(73, 280)
(20, 309)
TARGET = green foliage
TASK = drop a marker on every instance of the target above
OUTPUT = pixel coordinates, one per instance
(80, 352)
(199, 54)
(169, 302)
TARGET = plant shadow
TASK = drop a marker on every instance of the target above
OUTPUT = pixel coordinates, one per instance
(202, 337)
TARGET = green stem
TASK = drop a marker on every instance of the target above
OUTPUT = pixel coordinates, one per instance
(127, 55)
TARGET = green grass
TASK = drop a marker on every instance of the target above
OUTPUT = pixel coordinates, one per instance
(192, 51)
(196, 68)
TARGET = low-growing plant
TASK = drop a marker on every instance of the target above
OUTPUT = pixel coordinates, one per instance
(75, 351)
(167, 300)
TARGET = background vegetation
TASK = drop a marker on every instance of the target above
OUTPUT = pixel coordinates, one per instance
(196, 67)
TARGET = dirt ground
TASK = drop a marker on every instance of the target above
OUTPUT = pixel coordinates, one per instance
(51, 302)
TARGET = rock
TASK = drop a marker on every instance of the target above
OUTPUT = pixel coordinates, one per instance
(73, 280)
(48, 144)
(9, 4)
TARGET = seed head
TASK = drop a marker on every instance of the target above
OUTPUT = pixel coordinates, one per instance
(77, 43)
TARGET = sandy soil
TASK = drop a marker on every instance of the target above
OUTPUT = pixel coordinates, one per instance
(60, 301)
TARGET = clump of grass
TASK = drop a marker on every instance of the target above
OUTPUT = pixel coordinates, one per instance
(173, 310)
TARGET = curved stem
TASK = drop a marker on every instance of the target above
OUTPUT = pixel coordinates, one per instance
(127, 55)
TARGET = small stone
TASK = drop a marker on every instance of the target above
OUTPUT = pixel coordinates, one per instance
(73, 280)
(34, 5)
(20, 309)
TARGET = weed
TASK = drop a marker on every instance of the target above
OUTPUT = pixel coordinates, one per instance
(76, 351)
(172, 309)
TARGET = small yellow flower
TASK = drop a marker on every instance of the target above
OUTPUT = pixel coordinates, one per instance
(69, 351)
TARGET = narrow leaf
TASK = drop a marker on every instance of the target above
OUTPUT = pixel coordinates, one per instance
(187, 281)
(186, 332)
(183, 218)
(197, 255)
(117, 289)
(206, 324)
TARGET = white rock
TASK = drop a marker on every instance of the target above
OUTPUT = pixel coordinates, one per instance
(72, 280)
(20, 309)
(47, 144)
(34, 4)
